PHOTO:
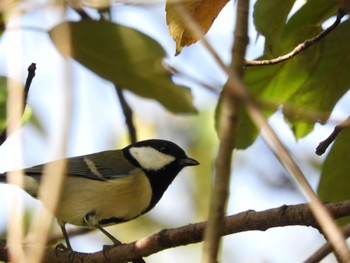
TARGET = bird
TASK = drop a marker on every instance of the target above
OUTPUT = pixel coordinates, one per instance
(114, 186)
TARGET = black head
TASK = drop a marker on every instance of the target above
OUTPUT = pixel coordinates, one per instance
(161, 161)
(157, 155)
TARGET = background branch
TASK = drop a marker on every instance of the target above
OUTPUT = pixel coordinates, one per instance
(326, 249)
(105, 15)
(322, 147)
(30, 76)
(127, 114)
(299, 48)
(286, 215)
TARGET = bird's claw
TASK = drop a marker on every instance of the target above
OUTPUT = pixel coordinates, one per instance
(61, 248)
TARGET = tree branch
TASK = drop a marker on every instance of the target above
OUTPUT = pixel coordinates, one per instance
(227, 124)
(299, 48)
(127, 114)
(30, 76)
(326, 249)
(286, 215)
(322, 147)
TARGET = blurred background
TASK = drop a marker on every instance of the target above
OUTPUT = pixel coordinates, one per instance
(258, 180)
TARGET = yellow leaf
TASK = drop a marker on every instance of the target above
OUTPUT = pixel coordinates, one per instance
(202, 11)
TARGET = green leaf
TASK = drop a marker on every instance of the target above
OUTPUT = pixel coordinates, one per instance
(270, 17)
(335, 179)
(307, 22)
(314, 80)
(125, 56)
(329, 76)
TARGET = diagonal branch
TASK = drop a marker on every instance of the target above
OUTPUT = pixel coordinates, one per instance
(286, 215)
(326, 249)
(299, 48)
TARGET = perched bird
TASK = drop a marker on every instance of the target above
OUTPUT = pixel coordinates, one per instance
(111, 187)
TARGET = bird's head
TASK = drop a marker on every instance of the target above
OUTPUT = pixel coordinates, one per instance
(158, 155)
(161, 161)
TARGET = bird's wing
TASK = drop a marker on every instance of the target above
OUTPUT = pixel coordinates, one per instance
(97, 166)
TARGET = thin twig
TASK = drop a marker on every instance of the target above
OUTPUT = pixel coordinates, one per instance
(322, 146)
(184, 74)
(105, 15)
(227, 124)
(30, 76)
(81, 12)
(299, 48)
(127, 114)
(326, 249)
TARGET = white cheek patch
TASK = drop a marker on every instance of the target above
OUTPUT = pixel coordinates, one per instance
(151, 159)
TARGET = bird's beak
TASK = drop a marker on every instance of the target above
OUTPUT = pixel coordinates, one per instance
(188, 162)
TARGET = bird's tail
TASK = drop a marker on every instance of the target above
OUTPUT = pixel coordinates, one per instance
(3, 178)
(30, 183)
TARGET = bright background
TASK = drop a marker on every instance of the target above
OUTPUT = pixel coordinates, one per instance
(258, 180)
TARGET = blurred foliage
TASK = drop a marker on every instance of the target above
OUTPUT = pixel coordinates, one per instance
(335, 179)
(203, 146)
(271, 26)
(125, 56)
(2, 23)
(27, 114)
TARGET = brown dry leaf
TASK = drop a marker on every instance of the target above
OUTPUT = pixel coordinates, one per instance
(203, 11)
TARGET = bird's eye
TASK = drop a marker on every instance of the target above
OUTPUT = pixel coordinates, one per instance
(163, 149)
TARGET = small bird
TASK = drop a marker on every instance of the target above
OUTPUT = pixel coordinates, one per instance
(115, 186)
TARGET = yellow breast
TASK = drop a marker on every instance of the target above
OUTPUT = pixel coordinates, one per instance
(124, 198)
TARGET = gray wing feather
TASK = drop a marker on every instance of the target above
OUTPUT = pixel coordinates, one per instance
(97, 166)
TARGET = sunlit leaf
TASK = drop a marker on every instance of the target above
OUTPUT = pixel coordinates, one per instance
(335, 179)
(125, 56)
(307, 22)
(203, 12)
(269, 18)
(314, 80)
